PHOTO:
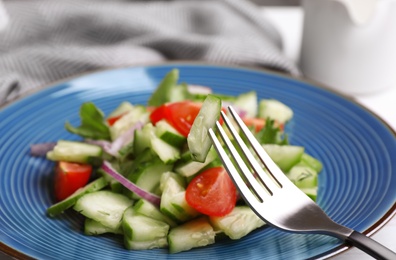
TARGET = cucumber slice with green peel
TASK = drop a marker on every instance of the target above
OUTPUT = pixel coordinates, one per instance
(190, 168)
(140, 160)
(274, 109)
(198, 139)
(69, 202)
(285, 156)
(123, 108)
(137, 114)
(195, 233)
(94, 228)
(238, 223)
(145, 245)
(142, 139)
(303, 176)
(163, 93)
(169, 134)
(248, 103)
(142, 232)
(312, 162)
(166, 152)
(176, 207)
(179, 93)
(147, 138)
(78, 152)
(147, 209)
(106, 207)
(148, 177)
(173, 201)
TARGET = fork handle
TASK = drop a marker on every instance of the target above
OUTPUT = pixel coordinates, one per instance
(370, 246)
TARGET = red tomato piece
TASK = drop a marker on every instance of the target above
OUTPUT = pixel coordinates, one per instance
(180, 115)
(212, 192)
(69, 177)
(257, 123)
(111, 121)
(158, 114)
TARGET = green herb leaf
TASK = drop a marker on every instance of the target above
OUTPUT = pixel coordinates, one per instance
(92, 123)
(270, 134)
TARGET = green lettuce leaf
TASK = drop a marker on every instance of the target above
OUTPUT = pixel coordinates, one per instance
(271, 134)
(93, 124)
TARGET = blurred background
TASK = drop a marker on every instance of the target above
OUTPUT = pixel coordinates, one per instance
(277, 2)
(287, 18)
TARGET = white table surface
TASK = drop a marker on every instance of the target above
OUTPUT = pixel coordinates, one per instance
(289, 22)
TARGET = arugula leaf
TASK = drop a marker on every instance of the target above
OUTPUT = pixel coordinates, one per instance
(270, 134)
(92, 123)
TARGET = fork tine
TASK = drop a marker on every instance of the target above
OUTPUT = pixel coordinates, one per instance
(239, 182)
(265, 180)
(257, 189)
(269, 164)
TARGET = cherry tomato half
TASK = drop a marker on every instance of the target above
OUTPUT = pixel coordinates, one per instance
(212, 192)
(180, 115)
(259, 123)
(69, 177)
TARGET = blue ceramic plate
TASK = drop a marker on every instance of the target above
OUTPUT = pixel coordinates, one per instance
(356, 187)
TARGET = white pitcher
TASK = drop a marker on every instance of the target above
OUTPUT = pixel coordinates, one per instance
(350, 45)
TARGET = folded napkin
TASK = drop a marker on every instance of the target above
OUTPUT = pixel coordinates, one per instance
(46, 41)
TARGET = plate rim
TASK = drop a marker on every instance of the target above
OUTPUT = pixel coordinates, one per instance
(375, 227)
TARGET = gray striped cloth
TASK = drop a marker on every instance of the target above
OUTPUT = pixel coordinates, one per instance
(48, 40)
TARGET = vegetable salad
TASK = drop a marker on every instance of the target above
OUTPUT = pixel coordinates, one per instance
(148, 172)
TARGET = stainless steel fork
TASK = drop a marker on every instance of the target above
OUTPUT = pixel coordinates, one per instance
(274, 198)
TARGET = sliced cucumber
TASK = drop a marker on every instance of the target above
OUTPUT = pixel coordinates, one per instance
(312, 162)
(169, 134)
(198, 139)
(147, 209)
(137, 114)
(195, 233)
(238, 223)
(285, 156)
(303, 176)
(142, 139)
(178, 182)
(179, 93)
(69, 202)
(78, 152)
(173, 201)
(247, 102)
(94, 228)
(148, 177)
(142, 232)
(164, 92)
(146, 138)
(274, 109)
(140, 160)
(106, 207)
(190, 168)
(166, 152)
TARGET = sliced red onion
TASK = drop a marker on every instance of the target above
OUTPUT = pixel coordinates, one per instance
(156, 200)
(112, 148)
(124, 139)
(197, 89)
(41, 149)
